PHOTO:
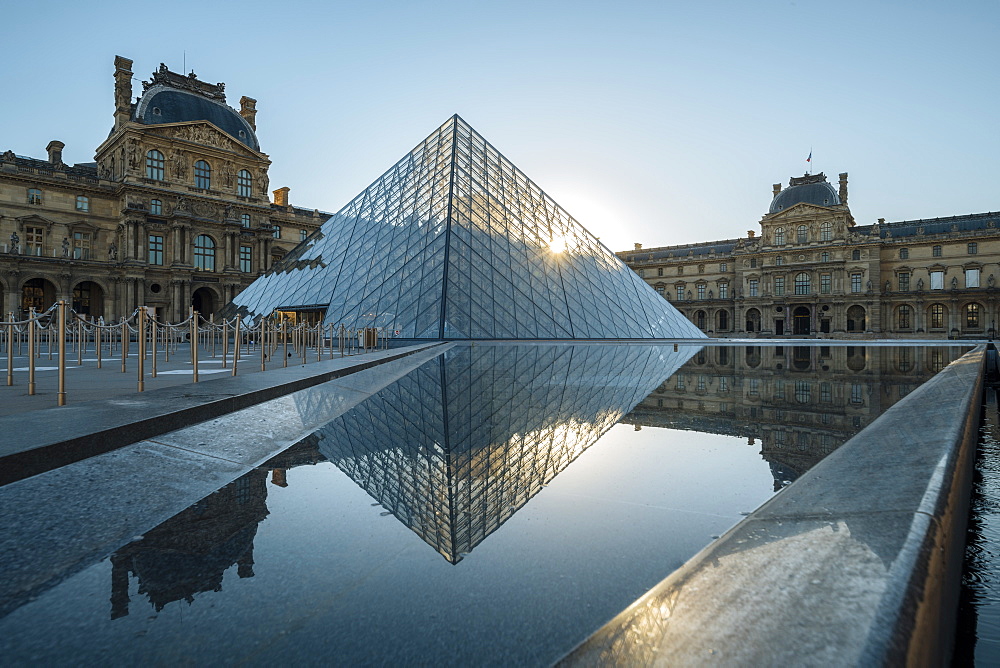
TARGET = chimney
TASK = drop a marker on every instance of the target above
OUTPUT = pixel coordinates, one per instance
(775, 189)
(638, 246)
(123, 91)
(54, 150)
(281, 196)
(248, 110)
(843, 188)
(751, 234)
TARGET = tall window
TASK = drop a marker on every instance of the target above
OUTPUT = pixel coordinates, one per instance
(34, 196)
(972, 316)
(972, 278)
(244, 184)
(723, 266)
(276, 232)
(855, 254)
(936, 251)
(156, 207)
(778, 261)
(723, 323)
(779, 236)
(824, 284)
(826, 231)
(937, 316)
(857, 393)
(660, 289)
(245, 219)
(802, 283)
(154, 165)
(246, 259)
(202, 175)
(659, 270)
(753, 285)
(904, 281)
(801, 234)
(204, 253)
(81, 245)
(82, 203)
(33, 237)
(904, 253)
(803, 391)
(680, 271)
(753, 263)
(855, 282)
(680, 292)
(303, 234)
(779, 285)
(903, 320)
(824, 257)
(723, 290)
(701, 290)
(937, 280)
(155, 249)
(973, 248)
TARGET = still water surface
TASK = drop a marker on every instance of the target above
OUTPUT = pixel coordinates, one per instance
(495, 506)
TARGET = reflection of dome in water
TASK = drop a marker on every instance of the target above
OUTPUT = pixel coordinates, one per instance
(809, 189)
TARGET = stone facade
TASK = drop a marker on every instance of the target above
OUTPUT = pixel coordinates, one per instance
(813, 272)
(173, 213)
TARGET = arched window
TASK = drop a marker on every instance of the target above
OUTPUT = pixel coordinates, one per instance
(699, 319)
(826, 231)
(801, 234)
(936, 316)
(779, 236)
(802, 283)
(856, 319)
(244, 184)
(202, 175)
(723, 320)
(204, 253)
(972, 312)
(904, 318)
(154, 165)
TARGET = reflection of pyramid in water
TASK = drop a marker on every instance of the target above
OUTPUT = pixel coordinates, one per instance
(456, 447)
(454, 242)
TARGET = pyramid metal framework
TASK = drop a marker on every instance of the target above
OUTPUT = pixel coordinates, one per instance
(460, 444)
(455, 242)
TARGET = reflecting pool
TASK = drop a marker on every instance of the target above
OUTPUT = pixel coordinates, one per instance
(494, 506)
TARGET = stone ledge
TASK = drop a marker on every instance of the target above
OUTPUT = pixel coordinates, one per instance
(55, 437)
(856, 563)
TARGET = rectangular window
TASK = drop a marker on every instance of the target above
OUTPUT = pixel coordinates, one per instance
(33, 240)
(904, 281)
(753, 287)
(754, 389)
(973, 248)
(824, 284)
(81, 245)
(723, 383)
(82, 203)
(277, 232)
(680, 292)
(659, 271)
(723, 290)
(855, 282)
(245, 219)
(972, 278)
(857, 393)
(936, 251)
(701, 292)
(303, 234)
(155, 249)
(246, 259)
(937, 280)
(723, 267)
(753, 263)
(825, 394)
(779, 285)
(156, 207)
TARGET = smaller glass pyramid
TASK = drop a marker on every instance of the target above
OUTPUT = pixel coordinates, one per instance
(455, 242)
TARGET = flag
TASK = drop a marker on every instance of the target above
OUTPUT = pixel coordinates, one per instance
(810, 158)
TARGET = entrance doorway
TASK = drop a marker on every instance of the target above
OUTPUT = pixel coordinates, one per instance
(203, 301)
(800, 320)
(779, 326)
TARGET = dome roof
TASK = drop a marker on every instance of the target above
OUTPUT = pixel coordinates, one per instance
(811, 189)
(165, 104)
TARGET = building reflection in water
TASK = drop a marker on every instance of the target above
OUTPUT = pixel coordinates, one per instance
(189, 553)
(799, 402)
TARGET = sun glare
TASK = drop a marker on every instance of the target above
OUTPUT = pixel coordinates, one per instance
(558, 244)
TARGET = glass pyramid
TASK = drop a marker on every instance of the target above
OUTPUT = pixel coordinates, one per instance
(457, 446)
(455, 242)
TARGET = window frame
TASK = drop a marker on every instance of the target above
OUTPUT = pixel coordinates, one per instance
(246, 259)
(204, 255)
(83, 203)
(803, 283)
(244, 183)
(202, 175)
(154, 249)
(35, 196)
(155, 165)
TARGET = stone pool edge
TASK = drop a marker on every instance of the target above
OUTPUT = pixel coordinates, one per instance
(65, 435)
(857, 562)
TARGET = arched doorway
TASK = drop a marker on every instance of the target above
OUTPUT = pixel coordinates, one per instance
(203, 301)
(856, 319)
(800, 320)
(88, 299)
(37, 293)
(753, 320)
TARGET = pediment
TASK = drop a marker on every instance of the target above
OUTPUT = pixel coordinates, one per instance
(34, 219)
(799, 210)
(204, 133)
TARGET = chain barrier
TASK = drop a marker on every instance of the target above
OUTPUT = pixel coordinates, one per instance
(61, 329)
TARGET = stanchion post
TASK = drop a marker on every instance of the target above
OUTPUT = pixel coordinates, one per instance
(31, 350)
(61, 394)
(125, 338)
(284, 340)
(153, 326)
(142, 349)
(225, 342)
(263, 347)
(194, 346)
(236, 345)
(10, 351)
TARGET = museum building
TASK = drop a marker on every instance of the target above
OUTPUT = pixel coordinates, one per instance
(173, 213)
(813, 272)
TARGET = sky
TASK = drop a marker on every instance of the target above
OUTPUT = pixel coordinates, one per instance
(653, 122)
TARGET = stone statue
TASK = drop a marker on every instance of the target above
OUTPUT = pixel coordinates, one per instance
(230, 213)
(954, 283)
(15, 244)
(869, 285)
(181, 205)
(112, 252)
(990, 281)
(263, 181)
(888, 286)
(65, 247)
(180, 165)
(920, 284)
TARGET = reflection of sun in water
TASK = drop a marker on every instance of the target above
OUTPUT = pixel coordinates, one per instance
(558, 244)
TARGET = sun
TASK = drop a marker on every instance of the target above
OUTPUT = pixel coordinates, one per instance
(558, 244)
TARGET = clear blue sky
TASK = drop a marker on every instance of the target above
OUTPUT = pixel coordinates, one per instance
(657, 122)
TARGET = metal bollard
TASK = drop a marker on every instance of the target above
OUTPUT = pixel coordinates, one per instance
(236, 346)
(61, 394)
(194, 346)
(142, 349)
(31, 350)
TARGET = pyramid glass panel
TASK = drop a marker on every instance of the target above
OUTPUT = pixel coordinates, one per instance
(454, 242)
